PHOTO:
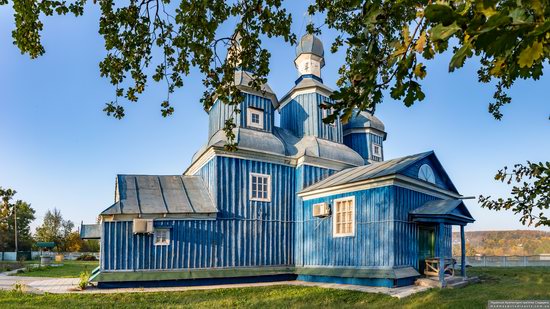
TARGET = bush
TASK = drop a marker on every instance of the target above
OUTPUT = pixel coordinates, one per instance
(84, 278)
(86, 257)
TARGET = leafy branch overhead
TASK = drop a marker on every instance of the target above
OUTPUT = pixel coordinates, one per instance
(387, 44)
(530, 194)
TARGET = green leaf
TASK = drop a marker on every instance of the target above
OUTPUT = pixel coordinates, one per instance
(439, 13)
(460, 56)
(530, 54)
(442, 33)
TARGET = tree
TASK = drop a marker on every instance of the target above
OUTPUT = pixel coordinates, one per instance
(531, 195)
(25, 216)
(387, 43)
(55, 229)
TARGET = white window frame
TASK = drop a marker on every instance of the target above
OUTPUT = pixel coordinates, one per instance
(335, 212)
(374, 146)
(267, 177)
(162, 242)
(259, 112)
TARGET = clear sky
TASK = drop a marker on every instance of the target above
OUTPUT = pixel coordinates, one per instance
(58, 149)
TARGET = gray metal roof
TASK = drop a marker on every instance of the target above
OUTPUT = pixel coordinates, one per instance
(317, 147)
(243, 80)
(148, 194)
(90, 231)
(250, 139)
(310, 44)
(364, 119)
(370, 171)
(305, 83)
(451, 208)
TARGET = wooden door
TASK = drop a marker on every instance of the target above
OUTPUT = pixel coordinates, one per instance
(426, 246)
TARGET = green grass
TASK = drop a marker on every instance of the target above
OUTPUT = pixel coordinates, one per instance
(497, 284)
(69, 269)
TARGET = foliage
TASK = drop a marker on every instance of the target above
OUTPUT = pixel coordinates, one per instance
(500, 243)
(497, 283)
(69, 269)
(86, 257)
(387, 44)
(388, 41)
(25, 216)
(84, 280)
(530, 196)
(55, 229)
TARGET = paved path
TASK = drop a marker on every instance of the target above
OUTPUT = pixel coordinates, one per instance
(68, 285)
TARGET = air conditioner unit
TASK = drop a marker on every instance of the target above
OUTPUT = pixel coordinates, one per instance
(143, 226)
(321, 210)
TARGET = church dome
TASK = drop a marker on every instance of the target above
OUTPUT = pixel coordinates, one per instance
(310, 44)
(364, 120)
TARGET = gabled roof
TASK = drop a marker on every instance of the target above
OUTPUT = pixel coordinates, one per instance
(375, 170)
(151, 194)
(370, 171)
(446, 211)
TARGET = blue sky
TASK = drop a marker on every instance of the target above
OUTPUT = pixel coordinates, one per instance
(60, 150)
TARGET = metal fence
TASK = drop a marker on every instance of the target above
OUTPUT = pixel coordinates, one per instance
(506, 261)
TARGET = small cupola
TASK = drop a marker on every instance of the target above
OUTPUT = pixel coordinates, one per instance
(310, 56)
(365, 134)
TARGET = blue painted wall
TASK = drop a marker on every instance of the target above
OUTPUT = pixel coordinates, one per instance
(303, 117)
(406, 232)
(246, 233)
(362, 144)
(306, 175)
(370, 247)
(384, 236)
(220, 112)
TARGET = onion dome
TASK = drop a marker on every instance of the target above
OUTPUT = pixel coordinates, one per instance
(310, 44)
(364, 120)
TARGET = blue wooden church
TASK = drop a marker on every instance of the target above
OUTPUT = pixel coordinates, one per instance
(299, 200)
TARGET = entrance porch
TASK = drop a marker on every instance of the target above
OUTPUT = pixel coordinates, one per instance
(431, 218)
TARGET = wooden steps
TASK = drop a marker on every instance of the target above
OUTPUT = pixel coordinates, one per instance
(451, 282)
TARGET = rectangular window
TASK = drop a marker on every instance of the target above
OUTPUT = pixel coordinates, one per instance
(260, 187)
(255, 118)
(344, 217)
(377, 150)
(162, 237)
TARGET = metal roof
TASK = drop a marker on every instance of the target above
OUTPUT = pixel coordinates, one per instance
(305, 83)
(243, 80)
(90, 231)
(364, 119)
(151, 194)
(310, 44)
(370, 171)
(451, 210)
(317, 147)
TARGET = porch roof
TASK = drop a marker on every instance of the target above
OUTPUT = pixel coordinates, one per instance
(451, 211)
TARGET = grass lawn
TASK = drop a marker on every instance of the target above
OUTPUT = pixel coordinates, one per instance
(497, 284)
(70, 269)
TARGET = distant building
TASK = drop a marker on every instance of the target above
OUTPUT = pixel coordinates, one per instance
(302, 199)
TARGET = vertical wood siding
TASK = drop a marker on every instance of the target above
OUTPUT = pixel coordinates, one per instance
(303, 117)
(370, 247)
(358, 142)
(406, 232)
(221, 112)
(246, 233)
(306, 175)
